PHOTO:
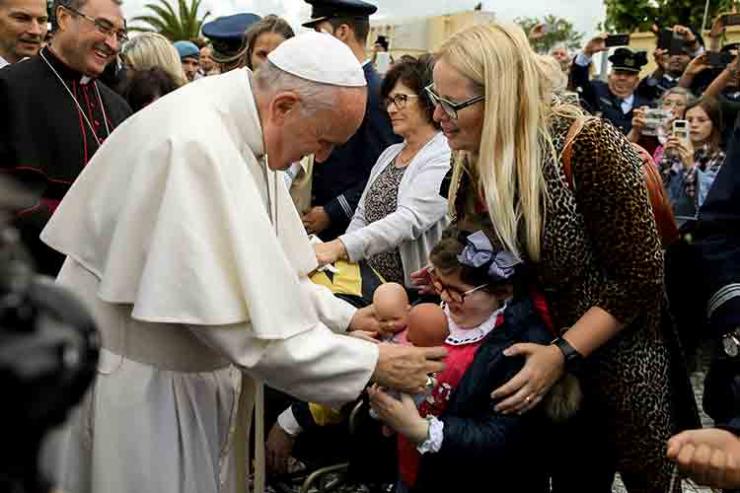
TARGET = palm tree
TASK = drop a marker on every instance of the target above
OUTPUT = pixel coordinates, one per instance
(185, 24)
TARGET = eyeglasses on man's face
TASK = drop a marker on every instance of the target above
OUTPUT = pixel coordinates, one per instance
(453, 294)
(399, 100)
(451, 108)
(103, 26)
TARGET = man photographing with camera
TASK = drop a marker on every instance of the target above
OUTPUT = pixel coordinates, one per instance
(615, 99)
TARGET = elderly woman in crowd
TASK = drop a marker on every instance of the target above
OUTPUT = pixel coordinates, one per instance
(591, 243)
(689, 166)
(264, 36)
(674, 101)
(148, 50)
(401, 213)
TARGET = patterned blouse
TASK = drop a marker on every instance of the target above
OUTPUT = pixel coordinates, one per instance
(382, 200)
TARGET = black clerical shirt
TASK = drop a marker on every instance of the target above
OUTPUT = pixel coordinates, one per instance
(46, 139)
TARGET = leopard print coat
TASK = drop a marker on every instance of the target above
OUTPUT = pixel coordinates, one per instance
(601, 248)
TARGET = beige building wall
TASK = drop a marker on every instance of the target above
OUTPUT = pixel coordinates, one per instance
(414, 36)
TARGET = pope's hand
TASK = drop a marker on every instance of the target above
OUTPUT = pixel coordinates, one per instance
(364, 319)
(406, 368)
(365, 335)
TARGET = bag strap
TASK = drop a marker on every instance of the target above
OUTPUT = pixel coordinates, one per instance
(567, 154)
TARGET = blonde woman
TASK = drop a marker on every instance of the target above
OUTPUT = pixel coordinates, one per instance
(592, 244)
(149, 50)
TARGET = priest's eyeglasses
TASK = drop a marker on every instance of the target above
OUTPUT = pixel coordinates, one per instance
(451, 108)
(103, 26)
(398, 100)
(455, 295)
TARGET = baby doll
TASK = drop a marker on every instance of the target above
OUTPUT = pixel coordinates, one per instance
(423, 325)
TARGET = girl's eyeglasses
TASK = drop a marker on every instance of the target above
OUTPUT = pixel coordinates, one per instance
(454, 294)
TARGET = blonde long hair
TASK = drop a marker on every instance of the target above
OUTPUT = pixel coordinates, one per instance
(148, 50)
(515, 137)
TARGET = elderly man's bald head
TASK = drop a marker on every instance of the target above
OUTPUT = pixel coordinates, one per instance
(23, 26)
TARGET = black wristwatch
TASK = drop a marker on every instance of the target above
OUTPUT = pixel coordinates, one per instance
(573, 358)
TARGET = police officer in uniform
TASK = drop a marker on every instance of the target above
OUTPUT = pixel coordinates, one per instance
(339, 181)
(718, 239)
(616, 98)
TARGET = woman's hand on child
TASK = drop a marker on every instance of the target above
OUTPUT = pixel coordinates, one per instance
(401, 415)
(544, 366)
(328, 253)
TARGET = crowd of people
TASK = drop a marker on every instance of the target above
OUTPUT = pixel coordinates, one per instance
(225, 207)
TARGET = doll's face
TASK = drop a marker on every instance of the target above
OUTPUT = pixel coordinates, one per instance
(391, 304)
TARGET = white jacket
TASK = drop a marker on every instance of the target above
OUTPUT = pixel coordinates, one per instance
(420, 216)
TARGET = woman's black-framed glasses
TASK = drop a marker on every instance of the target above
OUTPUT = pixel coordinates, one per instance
(398, 100)
(454, 294)
(451, 108)
(103, 26)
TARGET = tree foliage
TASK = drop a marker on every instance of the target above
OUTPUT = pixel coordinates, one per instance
(558, 30)
(183, 24)
(626, 16)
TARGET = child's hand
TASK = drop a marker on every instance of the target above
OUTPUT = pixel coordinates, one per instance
(401, 415)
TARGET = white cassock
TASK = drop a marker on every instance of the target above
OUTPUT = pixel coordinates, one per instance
(190, 255)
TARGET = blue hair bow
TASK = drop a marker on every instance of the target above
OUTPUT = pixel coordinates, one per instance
(478, 252)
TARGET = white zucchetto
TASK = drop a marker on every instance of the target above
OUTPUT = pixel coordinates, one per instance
(319, 57)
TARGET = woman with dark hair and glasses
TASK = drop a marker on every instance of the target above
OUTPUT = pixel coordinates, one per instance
(401, 214)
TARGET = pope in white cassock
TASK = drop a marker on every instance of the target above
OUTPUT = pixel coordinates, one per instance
(184, 243)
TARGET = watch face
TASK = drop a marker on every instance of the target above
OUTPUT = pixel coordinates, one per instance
(730, 346)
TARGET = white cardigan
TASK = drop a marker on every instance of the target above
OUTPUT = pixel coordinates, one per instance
(420, 216)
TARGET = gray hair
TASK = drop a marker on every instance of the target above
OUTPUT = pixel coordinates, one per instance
(559, 46)
(314, 95)
(681, 91)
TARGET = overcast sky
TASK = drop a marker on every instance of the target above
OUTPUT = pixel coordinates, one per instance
(585, 14)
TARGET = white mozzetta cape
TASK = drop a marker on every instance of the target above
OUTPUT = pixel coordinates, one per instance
(177, 214)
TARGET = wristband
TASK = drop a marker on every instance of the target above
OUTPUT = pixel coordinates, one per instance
(572, 357)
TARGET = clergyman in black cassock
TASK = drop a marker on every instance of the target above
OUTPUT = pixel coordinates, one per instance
(46, 138)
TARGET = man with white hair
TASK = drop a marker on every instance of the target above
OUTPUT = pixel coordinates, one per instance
(193, 260)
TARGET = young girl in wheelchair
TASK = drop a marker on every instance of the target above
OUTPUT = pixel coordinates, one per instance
(455, 440)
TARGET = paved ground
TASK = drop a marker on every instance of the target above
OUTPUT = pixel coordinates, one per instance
(697, 382)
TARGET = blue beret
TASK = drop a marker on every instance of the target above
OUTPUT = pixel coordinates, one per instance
(327, 9)
(227, 35)
(187, 49)
(230, 27)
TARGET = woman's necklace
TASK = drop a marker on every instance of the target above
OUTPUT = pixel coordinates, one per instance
(79, 108)
(411, 154)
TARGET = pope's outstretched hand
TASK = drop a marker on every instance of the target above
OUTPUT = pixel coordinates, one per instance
(406, 368)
